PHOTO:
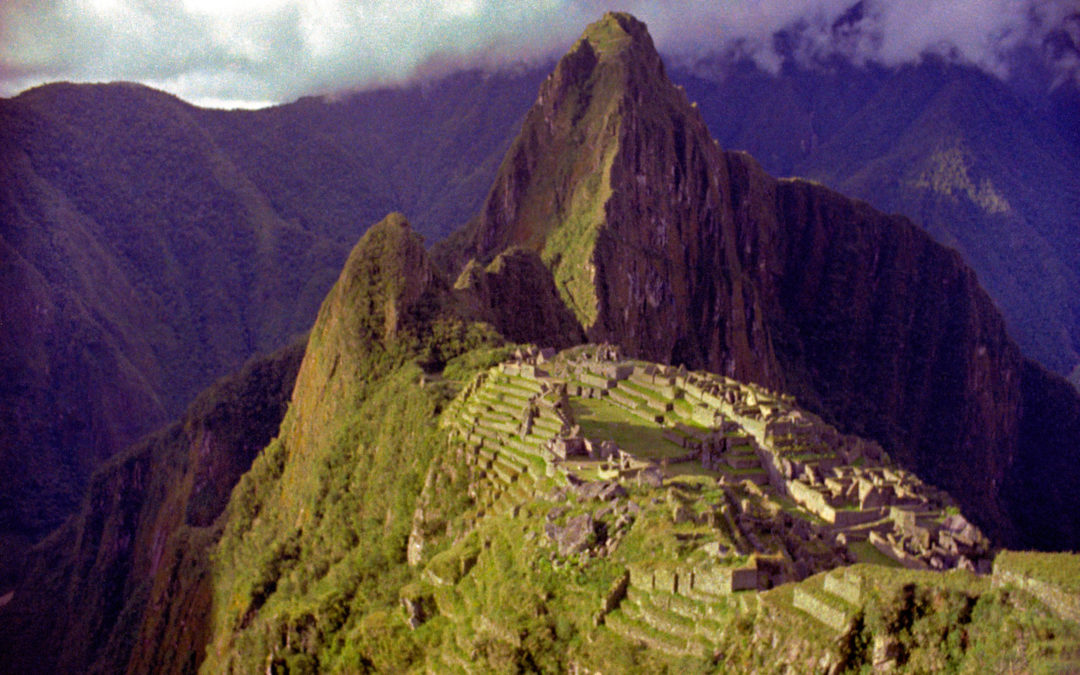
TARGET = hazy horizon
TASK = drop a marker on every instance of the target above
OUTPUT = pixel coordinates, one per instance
(247, 54)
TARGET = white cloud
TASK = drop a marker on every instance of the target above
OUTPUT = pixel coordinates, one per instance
(274, 50)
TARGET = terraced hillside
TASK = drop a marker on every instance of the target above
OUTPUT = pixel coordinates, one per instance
(440, 500)
(643, 516)
(737, 460)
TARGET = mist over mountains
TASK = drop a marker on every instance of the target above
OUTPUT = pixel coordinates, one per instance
(151, 246)
(260, 207)
(257, 54)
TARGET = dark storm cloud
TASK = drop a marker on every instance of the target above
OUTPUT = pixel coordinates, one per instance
(246, 51)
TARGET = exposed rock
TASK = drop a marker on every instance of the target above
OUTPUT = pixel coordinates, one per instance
(416, 611)
(516, 294)
(555, 513)
(886, 650)
(780, 282)
(651, 476)
(578, 535)
(681, 514)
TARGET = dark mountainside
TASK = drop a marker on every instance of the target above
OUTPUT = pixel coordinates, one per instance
(218, 210)
(115, 325)
(682, 253)
(859, 314)
(334, 165)
(517, 295)
(963, 154)
(150, 247)
(123, 584)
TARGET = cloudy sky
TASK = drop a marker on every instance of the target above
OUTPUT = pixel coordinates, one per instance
(228, 53)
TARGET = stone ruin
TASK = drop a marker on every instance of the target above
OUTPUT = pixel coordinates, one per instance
(518, 417)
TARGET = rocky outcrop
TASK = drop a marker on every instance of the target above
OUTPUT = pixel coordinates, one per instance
(682, 253)
(516, 294)
(616, 182)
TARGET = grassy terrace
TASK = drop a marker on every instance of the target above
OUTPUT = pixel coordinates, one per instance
(643, 392)
(601, 420)
(684, 409)
(1060, 569)
(865, 552)
(689, 468)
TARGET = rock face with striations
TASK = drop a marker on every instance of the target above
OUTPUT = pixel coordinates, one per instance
(680, 252)
(620, 188)
(516, 294)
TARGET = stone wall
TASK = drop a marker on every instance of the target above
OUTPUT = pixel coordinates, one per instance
(844, 587)
(714, 580)
(1066, 605)
(819, 609)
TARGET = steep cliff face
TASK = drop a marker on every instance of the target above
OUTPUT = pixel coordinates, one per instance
(516, 294)
(891, 335)
(684, 253)
(1042, 491)
(616, 182)
(124, 583)
(939, 141)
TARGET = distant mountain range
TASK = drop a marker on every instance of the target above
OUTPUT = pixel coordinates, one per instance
(151, 247)
(299, 505)
(956, 150)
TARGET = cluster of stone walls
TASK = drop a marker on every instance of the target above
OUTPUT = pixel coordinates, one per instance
(704, 579)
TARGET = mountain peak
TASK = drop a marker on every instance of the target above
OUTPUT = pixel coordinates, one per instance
(661, 242)
(613, 177)
(617, 33)
(614, 55)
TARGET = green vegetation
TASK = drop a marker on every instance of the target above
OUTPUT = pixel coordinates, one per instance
(295, 572)
(955, 623)
(568, 250)
(155, 247)
(865, 552)
(1060, 569)
(136, 555)
(385, 530)
(359, 488)
(603, 420)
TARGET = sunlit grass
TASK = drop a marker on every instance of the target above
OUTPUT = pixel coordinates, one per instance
(601, 420)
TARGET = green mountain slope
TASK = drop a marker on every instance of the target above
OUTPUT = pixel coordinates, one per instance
(661, 242)
(409, 497)
(437, 500)
(390, 522)
(142, 266)
(317, 528)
